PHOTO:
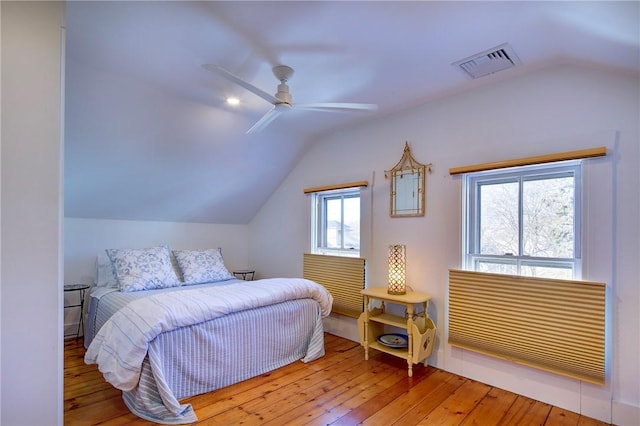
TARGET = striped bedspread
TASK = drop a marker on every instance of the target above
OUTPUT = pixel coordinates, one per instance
(122, 345)
(106, 301)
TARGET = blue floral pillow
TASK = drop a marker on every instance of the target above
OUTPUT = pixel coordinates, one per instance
(202, 266)
(143, 269)
(105, 275)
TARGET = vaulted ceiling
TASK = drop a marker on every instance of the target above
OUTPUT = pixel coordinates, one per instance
(149, 136)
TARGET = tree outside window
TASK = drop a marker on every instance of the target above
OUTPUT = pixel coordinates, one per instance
(337, 219)
(524, 221)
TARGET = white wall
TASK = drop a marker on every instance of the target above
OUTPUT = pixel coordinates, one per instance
(31, 201)
(84, 239)
(551, 110)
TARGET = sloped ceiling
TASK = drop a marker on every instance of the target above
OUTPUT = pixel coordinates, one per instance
(148, 135)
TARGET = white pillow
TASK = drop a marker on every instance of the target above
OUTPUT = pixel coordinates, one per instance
(105, 276)
(143, 269)
(202, 266)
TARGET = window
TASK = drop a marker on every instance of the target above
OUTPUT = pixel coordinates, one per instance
(524, 221)
(336, 222)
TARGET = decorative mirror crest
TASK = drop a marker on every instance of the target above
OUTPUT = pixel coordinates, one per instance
(407, 196)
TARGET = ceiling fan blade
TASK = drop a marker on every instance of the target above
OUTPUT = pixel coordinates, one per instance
(267, 118)
(336, 107)
(235, 79)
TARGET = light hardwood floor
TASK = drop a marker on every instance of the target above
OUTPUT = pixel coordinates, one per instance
(338, 389)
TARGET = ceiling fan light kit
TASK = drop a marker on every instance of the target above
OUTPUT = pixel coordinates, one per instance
(282, 100)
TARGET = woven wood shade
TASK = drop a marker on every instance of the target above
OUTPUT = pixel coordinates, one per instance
(342, 276)
(554, 325)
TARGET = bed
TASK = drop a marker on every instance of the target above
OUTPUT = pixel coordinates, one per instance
(161, 343)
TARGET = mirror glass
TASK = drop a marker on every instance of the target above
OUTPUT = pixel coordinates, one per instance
(407, 192)
(407, 186)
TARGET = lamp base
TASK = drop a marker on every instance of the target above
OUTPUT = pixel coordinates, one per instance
(396, 292)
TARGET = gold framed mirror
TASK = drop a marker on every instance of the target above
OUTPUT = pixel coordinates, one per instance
(407, 189)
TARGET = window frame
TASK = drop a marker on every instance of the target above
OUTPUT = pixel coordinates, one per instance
(319, 221)
(472, 182)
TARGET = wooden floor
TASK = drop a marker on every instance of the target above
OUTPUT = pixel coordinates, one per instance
(338, 389)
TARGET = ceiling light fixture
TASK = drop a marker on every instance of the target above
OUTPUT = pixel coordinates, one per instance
(233, 101)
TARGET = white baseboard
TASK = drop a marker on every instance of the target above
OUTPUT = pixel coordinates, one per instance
(623, 414)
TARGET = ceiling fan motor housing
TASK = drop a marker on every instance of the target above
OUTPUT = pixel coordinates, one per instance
(283, 93)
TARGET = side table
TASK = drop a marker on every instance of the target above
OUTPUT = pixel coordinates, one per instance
(421, 331)
(243, 273)
(80, 288)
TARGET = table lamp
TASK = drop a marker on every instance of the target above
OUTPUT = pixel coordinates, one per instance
(397, 266)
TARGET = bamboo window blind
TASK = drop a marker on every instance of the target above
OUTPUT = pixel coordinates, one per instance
(554, 325)
(342, 276)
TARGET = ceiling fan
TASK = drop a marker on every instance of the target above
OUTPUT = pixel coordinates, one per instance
(282, 99)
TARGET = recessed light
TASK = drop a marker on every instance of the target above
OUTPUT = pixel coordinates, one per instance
(232, 100)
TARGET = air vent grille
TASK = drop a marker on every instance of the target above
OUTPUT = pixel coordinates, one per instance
(489, 62)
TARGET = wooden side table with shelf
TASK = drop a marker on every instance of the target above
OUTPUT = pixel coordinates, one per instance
(421, 332)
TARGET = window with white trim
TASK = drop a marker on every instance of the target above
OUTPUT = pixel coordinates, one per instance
(336, 222)
(524, 221)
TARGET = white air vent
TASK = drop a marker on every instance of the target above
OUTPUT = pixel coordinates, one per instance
(488, 62)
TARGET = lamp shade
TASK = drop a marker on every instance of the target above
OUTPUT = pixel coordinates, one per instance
(397, 267)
